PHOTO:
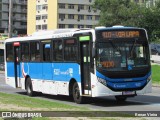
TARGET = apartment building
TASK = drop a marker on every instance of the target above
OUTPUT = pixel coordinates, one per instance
(52, 14)
(19, 16)
(147, 3)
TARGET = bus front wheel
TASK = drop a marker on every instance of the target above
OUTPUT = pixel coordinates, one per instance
(76, 94)
(29, 88)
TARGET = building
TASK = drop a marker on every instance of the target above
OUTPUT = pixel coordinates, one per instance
(19, 16)
(52, 14)
(147, 3)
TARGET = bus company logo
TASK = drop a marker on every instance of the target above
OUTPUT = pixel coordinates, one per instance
(56, 71)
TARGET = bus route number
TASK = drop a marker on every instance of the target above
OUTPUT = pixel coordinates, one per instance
(108, 64)
(120, 34)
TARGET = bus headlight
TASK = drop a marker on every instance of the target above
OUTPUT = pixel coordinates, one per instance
(149, 78)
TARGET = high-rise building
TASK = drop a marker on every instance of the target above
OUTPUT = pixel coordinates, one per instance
(147, 3)
(19, 16)
(52, 14)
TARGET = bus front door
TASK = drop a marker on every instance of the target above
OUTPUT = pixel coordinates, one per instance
(17, 66)
(85, 67)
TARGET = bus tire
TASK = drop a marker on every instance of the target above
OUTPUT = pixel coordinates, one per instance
(29, 87)
(121, 98)
(76, 94)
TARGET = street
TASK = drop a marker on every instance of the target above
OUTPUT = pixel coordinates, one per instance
(148, 102)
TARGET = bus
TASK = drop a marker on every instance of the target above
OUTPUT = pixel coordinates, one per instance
(82, 63)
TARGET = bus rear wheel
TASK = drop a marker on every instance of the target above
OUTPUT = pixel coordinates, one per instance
(29, 88)
(76, 94)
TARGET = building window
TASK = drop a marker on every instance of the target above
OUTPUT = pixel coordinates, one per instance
(70, 16)
(89, 26)
(45, 7)
(61, 25)
(61, 6)
(23, 23)
(61, 16)
(89, 17)
(80, 17)
(38, 17)
(71, 6)
(38, 27)
(80, 26)
(38, 7)
(44, 27)
(70, 26)
(80, 7)
(45, 16)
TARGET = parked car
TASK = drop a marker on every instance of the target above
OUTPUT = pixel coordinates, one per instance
(155, 49)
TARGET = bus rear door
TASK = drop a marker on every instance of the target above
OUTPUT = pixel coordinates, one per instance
(17, 64)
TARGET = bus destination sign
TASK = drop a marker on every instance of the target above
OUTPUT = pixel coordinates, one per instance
(120, 34)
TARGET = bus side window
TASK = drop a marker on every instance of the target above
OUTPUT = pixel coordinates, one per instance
(9, 52)
(35, 51)
(70, 50)
(47, 51)
(25, 52)
(57, 50)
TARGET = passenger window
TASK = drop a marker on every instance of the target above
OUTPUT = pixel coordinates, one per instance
(57, 50)
(9, 52)
(70, 49)
(46, 50)
(35, 51)
(25, 52)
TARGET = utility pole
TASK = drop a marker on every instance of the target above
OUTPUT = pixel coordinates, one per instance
(10, 18)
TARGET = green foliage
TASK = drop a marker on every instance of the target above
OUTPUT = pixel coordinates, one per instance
(127, 13)
(155, 74)
(34, 103)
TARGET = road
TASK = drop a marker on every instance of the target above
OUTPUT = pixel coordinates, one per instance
(148, 102)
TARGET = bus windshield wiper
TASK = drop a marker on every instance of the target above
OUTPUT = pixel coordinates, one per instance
(114, 46)
(133, 46)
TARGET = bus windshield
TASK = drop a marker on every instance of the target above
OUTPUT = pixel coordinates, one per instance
(122, 55)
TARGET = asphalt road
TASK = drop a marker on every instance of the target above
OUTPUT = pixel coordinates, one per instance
(148, 102)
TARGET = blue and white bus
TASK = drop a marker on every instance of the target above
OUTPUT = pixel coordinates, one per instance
(105, 61)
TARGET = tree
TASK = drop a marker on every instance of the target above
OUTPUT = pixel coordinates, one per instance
(127, 13)
(115, 12)
(151, 21)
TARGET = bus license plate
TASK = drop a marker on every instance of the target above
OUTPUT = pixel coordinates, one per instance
(128, 93)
